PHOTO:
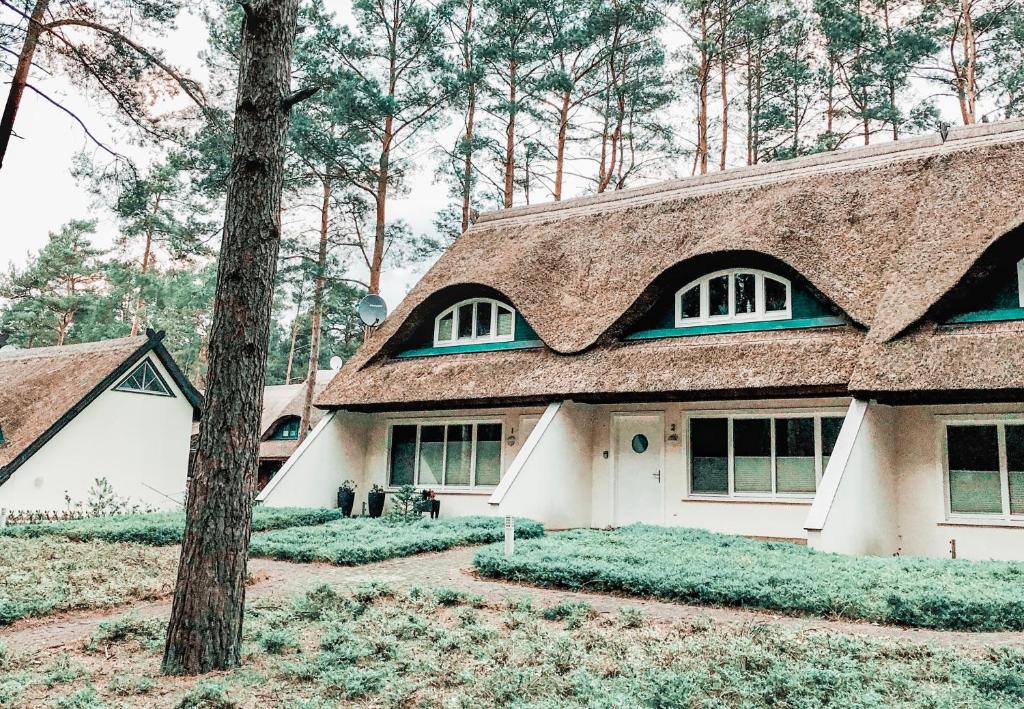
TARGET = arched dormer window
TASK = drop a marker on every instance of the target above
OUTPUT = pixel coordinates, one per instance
(734, 295)
(475, 321)
(287, 429)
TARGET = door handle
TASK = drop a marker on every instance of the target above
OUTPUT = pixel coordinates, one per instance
(657, 475)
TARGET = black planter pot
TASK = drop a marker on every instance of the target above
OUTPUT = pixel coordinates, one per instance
(375, 502)
(346, 498)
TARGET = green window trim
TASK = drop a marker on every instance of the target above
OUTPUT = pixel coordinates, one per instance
(464, 349)
(996, 315)
(287, 430)
(753, 326)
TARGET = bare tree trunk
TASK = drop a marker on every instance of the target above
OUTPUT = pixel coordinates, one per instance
(380, 226)
(205, 629)
(20, 78)
(317, 314)
(140, 303)
(467, 168)
(724, 69)
(510, 139)
(968, 84)
(703, 76)
(563, 131)
(295, 334)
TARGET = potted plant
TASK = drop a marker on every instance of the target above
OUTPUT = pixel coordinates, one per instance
(375, 501)
(431, 504)
(347, 497)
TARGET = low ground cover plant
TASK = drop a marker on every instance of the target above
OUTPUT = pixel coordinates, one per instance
(47, 575)
(362, 540)
(396, 648)
(694, 566)
(161, 528)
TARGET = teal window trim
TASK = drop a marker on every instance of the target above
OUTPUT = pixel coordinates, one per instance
(998, 315)
(287, 430)
(795, 324)
(464, 349)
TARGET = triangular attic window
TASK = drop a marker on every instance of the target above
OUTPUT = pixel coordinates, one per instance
(144, 379)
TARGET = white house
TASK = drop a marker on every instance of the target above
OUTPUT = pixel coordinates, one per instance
(828, 349)
(69, 415)
(281, 421)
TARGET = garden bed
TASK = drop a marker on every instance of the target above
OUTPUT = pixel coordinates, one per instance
(693, 566)
(383, 648)
(50, 575)
(161, 528)
(362, 540)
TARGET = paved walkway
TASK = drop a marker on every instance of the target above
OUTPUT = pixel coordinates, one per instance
(453, 569)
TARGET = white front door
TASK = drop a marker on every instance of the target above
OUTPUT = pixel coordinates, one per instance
(638, 441)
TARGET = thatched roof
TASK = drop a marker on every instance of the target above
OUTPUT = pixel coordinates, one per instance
(283, 401)
(44, 388)
(882, 232)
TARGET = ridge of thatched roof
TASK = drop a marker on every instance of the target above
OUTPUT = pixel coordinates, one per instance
(42, 389)
(883, 232)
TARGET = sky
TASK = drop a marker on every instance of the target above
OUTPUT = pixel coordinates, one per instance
(38, 193)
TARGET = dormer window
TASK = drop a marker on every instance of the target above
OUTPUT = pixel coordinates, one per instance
(287, 429)
(735, 295)
(475, 321)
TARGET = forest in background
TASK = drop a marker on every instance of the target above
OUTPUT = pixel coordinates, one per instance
(506, 102)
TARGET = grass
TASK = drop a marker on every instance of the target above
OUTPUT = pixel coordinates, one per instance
(388, 648)
(49, 575)
(360, 540)
(693, 566)
(161, 528)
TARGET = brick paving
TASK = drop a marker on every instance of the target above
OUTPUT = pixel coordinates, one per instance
(453, 569)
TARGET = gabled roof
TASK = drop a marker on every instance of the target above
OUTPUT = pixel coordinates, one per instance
(42, 389)
(882, 231)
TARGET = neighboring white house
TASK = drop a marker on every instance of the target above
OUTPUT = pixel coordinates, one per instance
(828, 349)
(69, 415)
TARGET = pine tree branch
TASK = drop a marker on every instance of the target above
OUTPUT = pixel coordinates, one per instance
(78, 120)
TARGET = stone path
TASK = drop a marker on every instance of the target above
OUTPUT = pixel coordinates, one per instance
(453, 569)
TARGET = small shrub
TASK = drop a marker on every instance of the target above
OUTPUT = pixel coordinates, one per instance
(631, 618)
(130, 686)
(278, 641)
(370, 591)
(565, 609)
(61, 671)
(85, 698)
(147, 631)
(449, 596)
(207, 694)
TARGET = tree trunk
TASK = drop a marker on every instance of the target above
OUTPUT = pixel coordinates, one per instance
(968, 91)
(563, 131)
(295, 334)
(317, 314)
(146, 254)
(510, 138)
(467, 167)
(205, 630)
(703, 76)
(724, 70)
(380, 226)
(20, 79)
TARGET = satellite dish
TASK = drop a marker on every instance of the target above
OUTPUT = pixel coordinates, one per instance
(372, 310)
(336, 362)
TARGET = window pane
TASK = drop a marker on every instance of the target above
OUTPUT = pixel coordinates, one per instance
(431, 454)
(689, 303)
(444, 328)
(403, 455)
(718, 295)
(794, 455)
(830, 427)
(1015, 463)
(774, 295)
(488, 453)
(466, 321)
(752, 450)
(745, 299)
(460, 446)
(505, 319)
(709, 462)
(974, 485)
(483, 319)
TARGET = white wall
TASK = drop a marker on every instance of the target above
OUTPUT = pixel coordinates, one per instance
(552, 480)
(138, 442)
(333, 452)
(921, 490)
(856, 509)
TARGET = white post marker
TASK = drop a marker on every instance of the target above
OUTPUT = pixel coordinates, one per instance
(510, 535)
(3, 516)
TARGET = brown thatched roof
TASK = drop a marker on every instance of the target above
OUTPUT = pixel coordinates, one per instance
(283, 401)
(43, 388)
(882, 232)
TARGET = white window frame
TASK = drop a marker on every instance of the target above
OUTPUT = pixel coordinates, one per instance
(446, 422)
(771, 414)
(474, 339)
(1000, 422)
(759, 314)
(1020, 283)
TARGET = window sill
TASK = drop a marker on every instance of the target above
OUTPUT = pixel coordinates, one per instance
(747, 500)
(990, 522)
(480, 491)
